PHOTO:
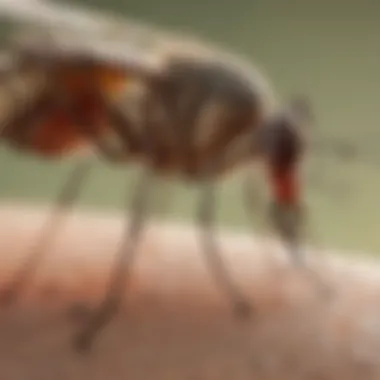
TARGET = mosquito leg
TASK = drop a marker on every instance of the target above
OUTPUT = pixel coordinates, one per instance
(120, 274)
(247, 151)
(50, 230)
(241, 305)
(19, 129)
(121, 271)
(252, 197)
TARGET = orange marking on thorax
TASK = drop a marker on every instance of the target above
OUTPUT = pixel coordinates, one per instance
(77, 79)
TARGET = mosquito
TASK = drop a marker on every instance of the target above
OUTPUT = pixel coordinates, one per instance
(197, 114)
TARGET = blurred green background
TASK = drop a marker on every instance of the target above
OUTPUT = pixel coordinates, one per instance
(329, 50)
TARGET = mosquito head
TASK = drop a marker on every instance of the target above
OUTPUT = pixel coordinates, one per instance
(283, 146)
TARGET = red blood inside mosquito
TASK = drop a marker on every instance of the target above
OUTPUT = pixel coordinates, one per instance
(286, 187)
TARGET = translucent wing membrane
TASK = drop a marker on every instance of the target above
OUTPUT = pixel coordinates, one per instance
(134, 45)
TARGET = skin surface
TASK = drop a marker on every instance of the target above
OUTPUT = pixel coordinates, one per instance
(175, 324)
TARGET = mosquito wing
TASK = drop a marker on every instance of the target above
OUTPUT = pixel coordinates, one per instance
(134, 44)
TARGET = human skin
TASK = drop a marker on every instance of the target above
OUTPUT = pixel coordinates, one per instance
(175, 324)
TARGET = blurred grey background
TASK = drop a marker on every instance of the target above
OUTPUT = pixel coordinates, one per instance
(329, 50)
